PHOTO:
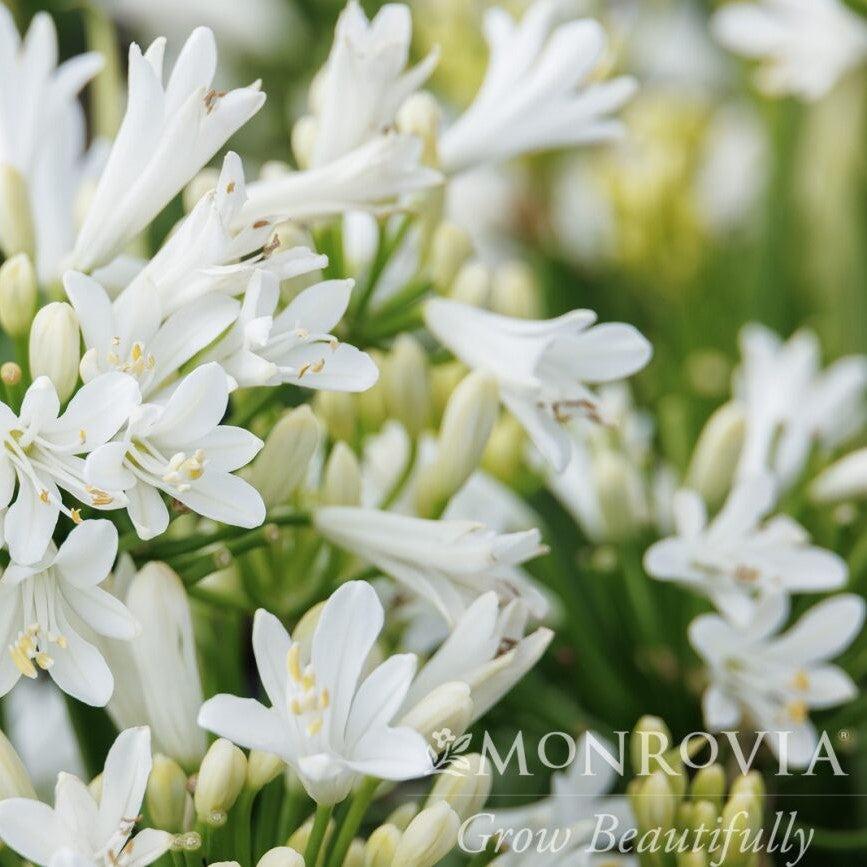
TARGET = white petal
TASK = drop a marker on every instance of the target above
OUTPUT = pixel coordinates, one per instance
(195, 407)
(124, 779)
(224, 497)
(229, 448)
(30, 521)
(104, 468)
(104, 613)
(32, 829)
(391, 754)
(248, 723)
(824, 632)
(147, 511)
(721, 712)
(80, 670)
(148, 845)
(271, 644)
(86, 556)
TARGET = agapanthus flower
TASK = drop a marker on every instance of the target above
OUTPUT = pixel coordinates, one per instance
(542, 366)
(44, 604)
(773, 680)
(83, 830)
(330, 723)
(738, 558)
(180, 448)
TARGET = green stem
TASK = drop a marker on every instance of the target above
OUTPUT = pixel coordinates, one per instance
(384, 251)
(360, 802)
(317, 834)
(403, 478)
(241, 817)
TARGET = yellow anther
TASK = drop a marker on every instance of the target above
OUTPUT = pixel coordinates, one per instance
(303, 369)
(22, 662)
(82, 436)
(43, 495)
(293, 663)
(295, 707)
(43, 660)
(801, 681)
(308, 681)
(315, 727)
(797, 711)
(317, 366)
(136, 352)
(75, 514)
(324, 699)
(747, 574)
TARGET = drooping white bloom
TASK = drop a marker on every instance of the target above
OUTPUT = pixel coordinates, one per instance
(773, 680)
(42, 605)
(365, 79)
(845, 479)
(449, 563)
(168, 133)
(181, 449)
(737, 559)
(806, 46)
(327, 722)
(82, 830)
(371, 177)
(44, 449)
(791, 403)
(538, 91)
(294, 345)
(541, 366)
(487, 649)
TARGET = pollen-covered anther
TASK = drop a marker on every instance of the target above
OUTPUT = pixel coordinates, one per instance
(98, 497)
(75, 514)
(44, 496)
(182, 470)
(747, 574)
(797, 711)
(801, 681)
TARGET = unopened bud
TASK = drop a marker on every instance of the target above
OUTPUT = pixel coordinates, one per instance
(14, 779)
(451, 246)
(709, 784)
(715, 457)
(704, 815)
(750, 783)
(619, 490)
(205, 181)
(262, 767)
(298, 839)
(381, 846)
(16, 220)
(401, 816)
(515, 291)
(656, 804)
(650, 737)
(845, 479)
(449, 707)
(472, 285)
(166, 795)
(220, 780)
(420, 115)
(444, 379)
(303, 139)
(55, 347)
(355, 854)
(504, 455)
(692, 858)
(341, 485)
(429, 837)
(406, 384)
(281, 856)
(338, 412)
(282, 464)
(465, 790)
(191, 841)
(10, 373)
(17, 295)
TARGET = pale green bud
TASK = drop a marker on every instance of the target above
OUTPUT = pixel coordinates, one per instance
(444, 379)
(220, 780)
(716, 454)
(742, 818)
(407, 386)
(465, 790)
(16, 220)
(355, 854)
(303, 139)
(709, 784)
(618, 488)
(515, 291)
(372, 410)
(472, 285)
(262, 767)
(299, 837)
(451, 246)
(55, 347)
(14, 779)
(341, 485)
(10, 373)
(166, 795)
(202, 184)
(190, 841)
(401, 816)
(704, 813)
(692, 858)
(750, 783)
(504, 455)
(338, 411)
(381, 846)
(449, 706)
(650, 737)
(281, 856)
(421, 115)
(17, 295)
(656, 804)
(430, 836)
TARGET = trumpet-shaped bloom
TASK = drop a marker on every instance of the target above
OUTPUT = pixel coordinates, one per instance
(82, 830)
(806, 46)
(181, 449)
(44, 449)
(449, 563)
(539, 91)
(168, 133)
(44, 604)
(327, 722)
(365, 79)
(736, 559)
(775, 679)
(543, 366)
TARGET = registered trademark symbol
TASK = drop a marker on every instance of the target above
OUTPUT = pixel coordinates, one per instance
(844, 734)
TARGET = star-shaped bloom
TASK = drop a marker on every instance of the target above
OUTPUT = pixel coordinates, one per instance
(773, 680)
(42, 604)
(542, 366)
(737, 558)
(326, 720)
(82, 831)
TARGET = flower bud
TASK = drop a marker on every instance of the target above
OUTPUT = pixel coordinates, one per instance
(339, 413)
(472, 285)
(372, 411)
(190, 841)
(420, 115)
(406, 383)
(401, 816)
(10, 373)
(650, 737)
(282, 464)
(430, 836)
(619, 488)
(465, 790)
(303, 139)
(515, 291)
(715, 457)
(692, 858)
(220, 780)
(381, 846)
(504, 455)
(166, 794)
(205, 181)
(750, 783)
(55, 347)
(444, 379)
(17, 295)
(451, 246)
(262, 767)
(355, 854)
(656, 804)
(16, 220)
(341, 485)
(14, 779)
(704, 814)
(449, 706)
(709, 784)
(845, 479)
(281, 856)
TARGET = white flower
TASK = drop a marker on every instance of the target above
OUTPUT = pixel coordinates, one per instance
(181, 449)
(449, 563)
(845, 479)
(168, 133)
(371, 177)
(127, 335)
(330, 725)
(43, 451)
(774, 680)
(81, 830)
(791, 403)
(541, 365)
(487, 650)
(264, 348)
(43, 604)
(806, 46)
(735, 559)
(364, 80)
(538, 91)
